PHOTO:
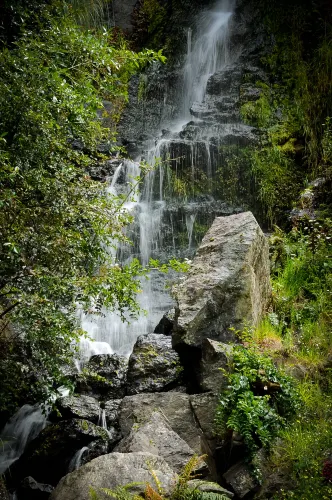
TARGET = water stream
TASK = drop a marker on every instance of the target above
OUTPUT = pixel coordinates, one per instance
(153, 236)
(23, 427)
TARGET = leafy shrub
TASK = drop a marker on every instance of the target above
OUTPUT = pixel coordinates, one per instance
(259, 401)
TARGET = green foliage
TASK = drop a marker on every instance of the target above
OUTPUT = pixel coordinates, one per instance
(302, 288)
(277, 181)
(259, 401)
(150, 22)
(234, 182)
(265, 178)
(302, 322)
(306, 444)
(56, 222)
(185, 183)
(304, 69)
(258, 113)
(90, 13)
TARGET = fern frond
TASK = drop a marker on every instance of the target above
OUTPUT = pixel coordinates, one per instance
(155, 478)
(93, 495)
(187, 471)
(151, 494)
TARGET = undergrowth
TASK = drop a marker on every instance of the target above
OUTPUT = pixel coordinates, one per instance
(259, 401)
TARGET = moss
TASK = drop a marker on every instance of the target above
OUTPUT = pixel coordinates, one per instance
(85, 425)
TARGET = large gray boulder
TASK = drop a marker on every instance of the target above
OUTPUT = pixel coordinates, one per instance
(175, 406)
(228, 284)
(104, 377)
(113, 470)
(153, 365)
(79, 406)
(157, 437)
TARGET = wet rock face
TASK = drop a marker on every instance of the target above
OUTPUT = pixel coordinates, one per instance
(122, 11)
(47, 457)
(153, 365)
(105, 377)
(128, 467)
(228, 284)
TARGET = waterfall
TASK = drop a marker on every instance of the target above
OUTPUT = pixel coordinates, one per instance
(208, 55)
(102, 419)
(23, 427)
(75, 462)
(153, 229)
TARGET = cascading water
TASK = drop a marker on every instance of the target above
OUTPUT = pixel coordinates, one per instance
(102, 419)
(22, 428)
(207, 53)
(76, 461)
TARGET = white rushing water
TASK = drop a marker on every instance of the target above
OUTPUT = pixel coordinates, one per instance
(24, 426)
(207, 52)
(21, 428)
(76, 461)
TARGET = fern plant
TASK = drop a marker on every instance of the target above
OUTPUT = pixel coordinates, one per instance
(258, 402)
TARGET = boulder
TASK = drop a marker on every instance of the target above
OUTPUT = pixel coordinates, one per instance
(215, 358)
(228, 284)
(174, 406)
(157, 437)
(165, 325)
(79, 406)
(241, 480)
(113, 470)
(47, 457)
(153, 365)
(32, 490)
(105, 377)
